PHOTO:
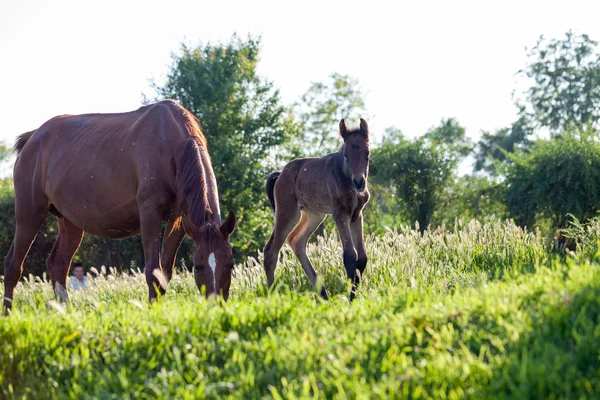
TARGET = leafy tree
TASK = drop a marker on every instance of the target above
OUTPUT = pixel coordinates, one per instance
(450, 138)
(320, 110)
(490, 153)
(565, 88)
(413, 173)
(243, 120)
(470, 197)
(556, 177)
(5, 152)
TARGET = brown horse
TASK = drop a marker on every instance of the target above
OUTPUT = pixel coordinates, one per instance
(310, 188)
(116, 175)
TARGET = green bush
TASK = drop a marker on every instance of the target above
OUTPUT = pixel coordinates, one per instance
(554, 178)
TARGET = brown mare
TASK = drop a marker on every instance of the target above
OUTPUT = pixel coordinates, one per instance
(310, 188)
(116, 175)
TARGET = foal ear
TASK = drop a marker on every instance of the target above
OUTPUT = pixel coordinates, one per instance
(229, 225)
(364, 128)
(343, 129)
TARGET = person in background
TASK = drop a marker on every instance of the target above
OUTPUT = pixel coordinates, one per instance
(78, 280)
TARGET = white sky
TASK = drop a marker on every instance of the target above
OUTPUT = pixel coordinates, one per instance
(419, 61)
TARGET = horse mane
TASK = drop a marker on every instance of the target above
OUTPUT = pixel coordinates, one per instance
(191, 123)
(191, 183)
(22, 140)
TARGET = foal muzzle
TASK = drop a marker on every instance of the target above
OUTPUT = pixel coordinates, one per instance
(359, 184)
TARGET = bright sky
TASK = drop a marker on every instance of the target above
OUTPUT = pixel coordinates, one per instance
(418, 61)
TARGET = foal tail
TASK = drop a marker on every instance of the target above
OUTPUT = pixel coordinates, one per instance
(270, 186)
(22, 140)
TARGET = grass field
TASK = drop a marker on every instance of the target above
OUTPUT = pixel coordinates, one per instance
(485, 311)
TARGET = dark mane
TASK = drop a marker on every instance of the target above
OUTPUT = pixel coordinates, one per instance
(191, 183)
(21, 140)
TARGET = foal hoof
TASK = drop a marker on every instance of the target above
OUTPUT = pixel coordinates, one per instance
(324, 295)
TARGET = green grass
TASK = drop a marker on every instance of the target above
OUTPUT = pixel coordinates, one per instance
(480, 312)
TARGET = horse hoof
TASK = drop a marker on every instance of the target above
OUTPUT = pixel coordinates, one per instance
(61, 292)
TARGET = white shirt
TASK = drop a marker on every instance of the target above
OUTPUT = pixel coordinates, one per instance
(77, 284)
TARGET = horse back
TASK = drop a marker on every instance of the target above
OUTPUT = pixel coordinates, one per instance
(104, 162)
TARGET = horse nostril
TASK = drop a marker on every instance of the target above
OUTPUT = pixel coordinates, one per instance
(359, 184)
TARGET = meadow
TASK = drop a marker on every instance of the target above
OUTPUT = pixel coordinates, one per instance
(480, 311)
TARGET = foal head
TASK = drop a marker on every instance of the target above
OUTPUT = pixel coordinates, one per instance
(356, 153)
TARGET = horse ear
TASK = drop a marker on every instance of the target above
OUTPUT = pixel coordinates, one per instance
(364, 128)
(343, 129)
(229, 225)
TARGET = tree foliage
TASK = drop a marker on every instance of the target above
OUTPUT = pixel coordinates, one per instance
(491, 150)
(556, 177)
(320, 110)
(413, 173)
(565, 83)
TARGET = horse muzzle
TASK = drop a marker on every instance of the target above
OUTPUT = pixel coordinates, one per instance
(359, 184)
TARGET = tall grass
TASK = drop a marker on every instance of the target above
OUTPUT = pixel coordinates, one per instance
(478, 312)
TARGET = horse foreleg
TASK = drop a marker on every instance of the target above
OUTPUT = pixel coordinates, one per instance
(59, 260)
(342, 222)
(174, 235)
(356, 227)
(298, 239)
(150, 224)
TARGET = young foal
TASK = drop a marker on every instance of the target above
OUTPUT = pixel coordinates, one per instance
(310, 188)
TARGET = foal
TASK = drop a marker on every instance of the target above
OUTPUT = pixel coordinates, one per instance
(310, 188)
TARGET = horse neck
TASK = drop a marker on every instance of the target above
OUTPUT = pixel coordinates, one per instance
(192, 185)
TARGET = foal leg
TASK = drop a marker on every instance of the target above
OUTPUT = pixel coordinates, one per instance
(150, 224)
(356, 227)
(59, 260)
(342, 222)
(285, 220)
(171, 242)
(28, 223)
(297, 240)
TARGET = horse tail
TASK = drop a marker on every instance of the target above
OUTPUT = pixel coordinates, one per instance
(270, 186)
(22, 140)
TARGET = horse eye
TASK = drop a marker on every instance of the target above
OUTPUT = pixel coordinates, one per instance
(198, 268)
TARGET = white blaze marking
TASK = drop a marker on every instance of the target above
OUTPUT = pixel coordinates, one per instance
(212, 262)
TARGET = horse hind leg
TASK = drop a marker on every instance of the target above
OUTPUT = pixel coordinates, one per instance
(28, 222)
(59, 260)
(298, 239)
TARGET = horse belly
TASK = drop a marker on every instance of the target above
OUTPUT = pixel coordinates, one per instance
(313, 196)
(117, 223)
(96, 207)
